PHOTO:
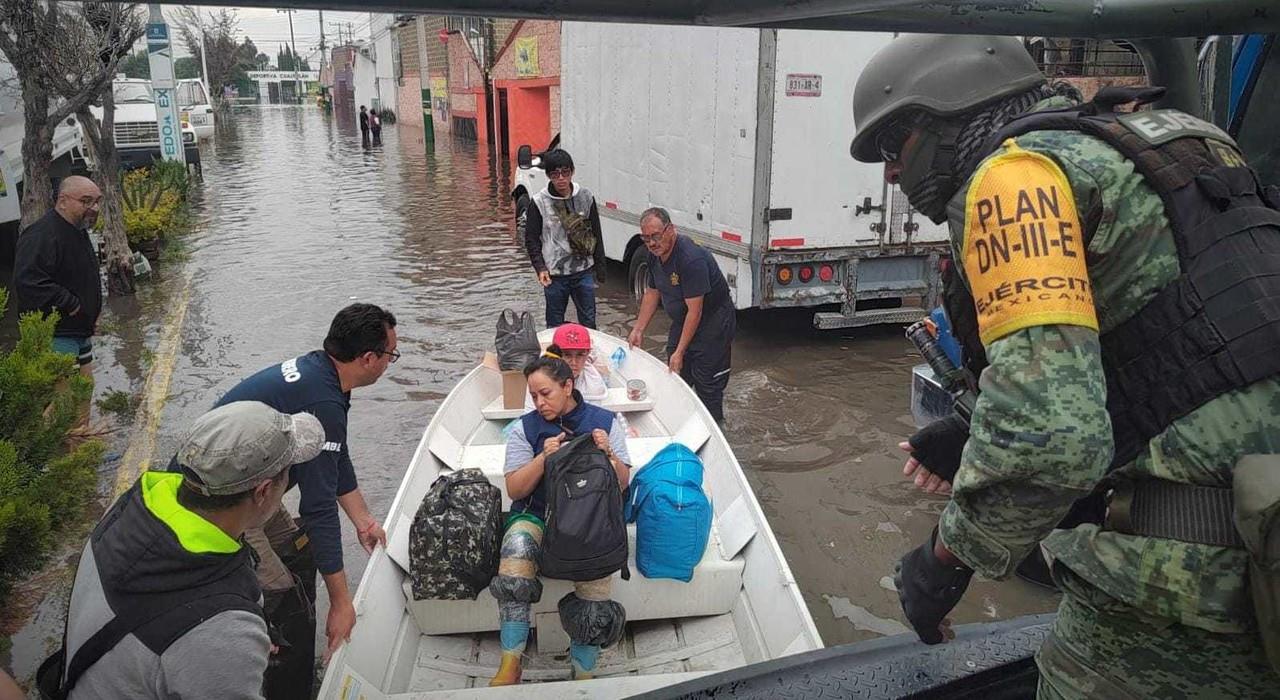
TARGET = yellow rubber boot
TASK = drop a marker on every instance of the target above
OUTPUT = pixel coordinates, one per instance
(509, 670)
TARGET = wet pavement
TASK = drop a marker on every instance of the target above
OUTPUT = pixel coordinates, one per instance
(295, 220)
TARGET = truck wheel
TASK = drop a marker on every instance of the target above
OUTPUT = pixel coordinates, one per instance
(638, 273)
(522, 216)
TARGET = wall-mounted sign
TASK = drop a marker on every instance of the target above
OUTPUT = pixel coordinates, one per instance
(527, 57)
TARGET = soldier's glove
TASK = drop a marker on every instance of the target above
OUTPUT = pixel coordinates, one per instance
(938, 445)
(929, 589)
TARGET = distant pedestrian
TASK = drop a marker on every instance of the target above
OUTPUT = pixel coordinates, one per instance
(684, 276)
(364, 125)
(375, 127)
(56, 269)
(562, 236)
(166, 603)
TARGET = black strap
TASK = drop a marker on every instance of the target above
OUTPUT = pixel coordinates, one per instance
(106, 638)
(1173, 511)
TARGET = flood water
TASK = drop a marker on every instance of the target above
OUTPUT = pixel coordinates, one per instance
(295, 219)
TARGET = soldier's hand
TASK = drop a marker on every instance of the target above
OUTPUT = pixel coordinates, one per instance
(935, 453)
(928, 589)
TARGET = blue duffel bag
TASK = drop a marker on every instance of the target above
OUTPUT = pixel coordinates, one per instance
(671, 513)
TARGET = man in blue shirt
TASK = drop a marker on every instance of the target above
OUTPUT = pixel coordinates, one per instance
(685, 278)
(360, 345)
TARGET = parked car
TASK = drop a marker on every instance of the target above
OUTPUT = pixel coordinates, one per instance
(137, 130)
(197, 110)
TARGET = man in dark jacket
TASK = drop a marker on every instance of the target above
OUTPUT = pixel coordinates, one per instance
(56, 269)
(165, 602)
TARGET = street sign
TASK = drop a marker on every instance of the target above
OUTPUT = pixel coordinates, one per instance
(168, 116)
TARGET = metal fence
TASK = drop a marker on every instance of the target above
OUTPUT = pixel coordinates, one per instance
(1085, 58)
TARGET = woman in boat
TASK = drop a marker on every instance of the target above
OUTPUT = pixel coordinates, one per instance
(559, 414)
(574, 342)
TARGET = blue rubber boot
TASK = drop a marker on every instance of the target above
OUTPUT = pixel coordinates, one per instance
(514, 637)
(583, 658)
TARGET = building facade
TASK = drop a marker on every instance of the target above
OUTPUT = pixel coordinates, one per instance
(526, 87)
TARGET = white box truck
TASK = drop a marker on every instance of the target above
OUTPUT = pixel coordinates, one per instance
(743, 136)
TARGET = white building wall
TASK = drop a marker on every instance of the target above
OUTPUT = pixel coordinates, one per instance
(382, 26)
(365, 79)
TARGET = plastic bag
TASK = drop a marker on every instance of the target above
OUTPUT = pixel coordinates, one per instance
(516, 341)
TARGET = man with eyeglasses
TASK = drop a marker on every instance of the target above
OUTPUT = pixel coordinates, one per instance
(562, 236)
(359, 347)
(685, 278)
(56, 269)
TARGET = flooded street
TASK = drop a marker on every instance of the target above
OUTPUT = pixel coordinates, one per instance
(295, 220)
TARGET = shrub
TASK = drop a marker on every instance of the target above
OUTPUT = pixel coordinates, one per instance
(42, 486)
(154, 202)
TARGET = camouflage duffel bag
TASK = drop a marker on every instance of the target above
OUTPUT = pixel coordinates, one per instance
(456, 537)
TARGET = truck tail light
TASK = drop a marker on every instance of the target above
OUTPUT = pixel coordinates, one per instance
(826, 273)
(784, 274)
(806, 273)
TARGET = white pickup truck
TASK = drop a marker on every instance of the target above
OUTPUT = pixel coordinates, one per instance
(743, 135)
(137, 130)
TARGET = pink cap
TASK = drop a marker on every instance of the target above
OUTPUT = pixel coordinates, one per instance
(571, 336)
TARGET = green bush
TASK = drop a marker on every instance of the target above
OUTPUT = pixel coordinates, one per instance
(43, 486)
(155, 202)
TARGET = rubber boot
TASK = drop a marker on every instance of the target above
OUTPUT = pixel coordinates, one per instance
(514, 636)
(508, 671)
(583, 657)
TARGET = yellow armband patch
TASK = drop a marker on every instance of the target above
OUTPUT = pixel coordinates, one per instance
(1023, 247)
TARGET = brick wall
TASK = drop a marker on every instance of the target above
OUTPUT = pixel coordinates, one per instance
(409, 106)
(437, 51)
(502, 29)
(555, 110)
(1088, 87)
(408, 37)
(547, 34)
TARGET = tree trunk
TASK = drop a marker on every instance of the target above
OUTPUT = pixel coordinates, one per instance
(115, 242)
(37, 151)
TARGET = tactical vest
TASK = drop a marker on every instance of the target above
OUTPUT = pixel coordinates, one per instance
(583, 419)
(1214, 329)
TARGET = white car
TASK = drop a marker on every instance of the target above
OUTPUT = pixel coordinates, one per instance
(197, 110)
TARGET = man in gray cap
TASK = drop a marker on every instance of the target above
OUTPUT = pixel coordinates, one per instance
(1114, 292)
(165, 602)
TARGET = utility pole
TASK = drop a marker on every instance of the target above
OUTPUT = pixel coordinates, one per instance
(322, 47)
(297, 83)
(204, 61)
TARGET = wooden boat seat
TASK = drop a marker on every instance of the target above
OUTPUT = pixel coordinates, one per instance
(713, 590)
(616, 400)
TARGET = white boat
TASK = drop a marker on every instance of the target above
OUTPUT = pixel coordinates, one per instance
(742, 606)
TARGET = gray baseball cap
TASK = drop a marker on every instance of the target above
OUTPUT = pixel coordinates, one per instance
(234, 447)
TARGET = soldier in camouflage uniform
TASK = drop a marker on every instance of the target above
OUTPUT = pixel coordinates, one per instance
(1060, 242)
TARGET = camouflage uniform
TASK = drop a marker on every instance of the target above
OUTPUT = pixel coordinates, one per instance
(1140, 616)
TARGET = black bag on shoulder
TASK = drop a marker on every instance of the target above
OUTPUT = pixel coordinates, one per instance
(516, 340)
(455, 538)
(586, 535)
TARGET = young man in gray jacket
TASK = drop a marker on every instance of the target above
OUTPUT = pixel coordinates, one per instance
(562, 236)
(166, 603)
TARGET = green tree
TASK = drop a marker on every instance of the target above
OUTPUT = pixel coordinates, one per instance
(186, 67)
(136, 65)
(43, 485)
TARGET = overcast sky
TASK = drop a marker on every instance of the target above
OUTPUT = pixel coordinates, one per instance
(269, 29)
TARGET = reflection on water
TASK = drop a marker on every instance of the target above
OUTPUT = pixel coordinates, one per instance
(295, 220)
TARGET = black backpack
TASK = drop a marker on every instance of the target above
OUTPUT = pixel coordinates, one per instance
(455, 538)
(586, 535)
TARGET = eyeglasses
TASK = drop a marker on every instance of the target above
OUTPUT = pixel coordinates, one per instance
(88, 201)
(892, 138)
(560, 172)
(393, 354)
(654, 237)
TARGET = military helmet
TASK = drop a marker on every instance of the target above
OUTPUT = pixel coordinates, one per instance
(941, 74)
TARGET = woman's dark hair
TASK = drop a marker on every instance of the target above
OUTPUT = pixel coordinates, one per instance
(358, 329)
(551, 363)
